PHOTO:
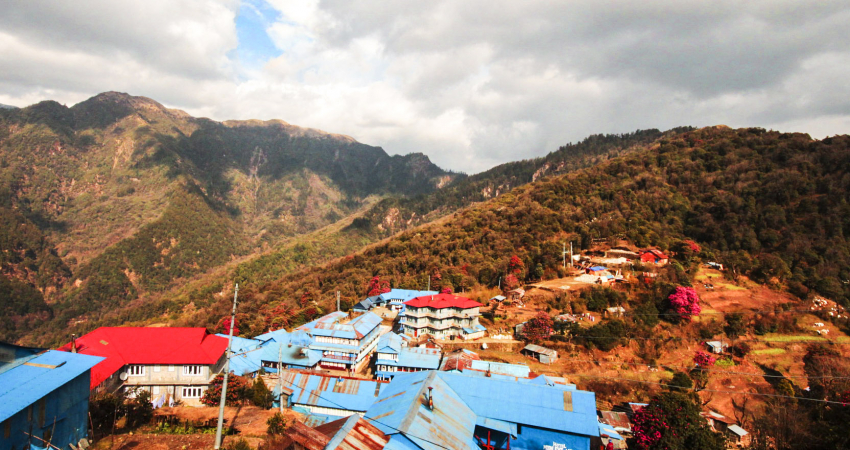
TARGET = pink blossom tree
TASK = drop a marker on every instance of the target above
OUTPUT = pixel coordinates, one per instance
(704, 359)
(685, 301)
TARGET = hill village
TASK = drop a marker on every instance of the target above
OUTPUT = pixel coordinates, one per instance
(400, 370)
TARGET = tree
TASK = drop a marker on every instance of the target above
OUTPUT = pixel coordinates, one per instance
(516, 266)
(305, 299)
(260, 394)
(277, 424)
(685, 302)
(377, 287)
(139, 410)
(511, 282)
(671, 421)
(538, 328)
(237, 391)
(447, 290)
(681, 381)
(225, 326)
(104, 409)
(735, 325)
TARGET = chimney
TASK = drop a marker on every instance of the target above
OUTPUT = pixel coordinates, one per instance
(73, 343)
(430, 398)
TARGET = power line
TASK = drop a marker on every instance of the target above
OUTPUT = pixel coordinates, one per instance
(280, 399)
(680, 339)
(717, 391)
(720, 313)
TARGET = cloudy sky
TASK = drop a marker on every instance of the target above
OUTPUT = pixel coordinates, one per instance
(470, 83)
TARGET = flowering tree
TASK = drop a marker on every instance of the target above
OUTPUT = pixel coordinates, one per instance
(672, 421)
(447, 290)
(225, 326)
(305, 299)
(516, 265)
(538, 328)
(511, 282)
(693, 246)
(685, 301)
(377, 287)
(703, 359)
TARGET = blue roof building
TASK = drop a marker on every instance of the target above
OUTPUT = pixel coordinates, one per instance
(44, 394)
(323, 394)
(395, 298)
(344, 344)
(432, 410)
(393, 356)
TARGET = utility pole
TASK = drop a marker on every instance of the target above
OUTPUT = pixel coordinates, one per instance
(429, 283)
(564, 253)
(226, 371)
(280, 376)
(337, 300)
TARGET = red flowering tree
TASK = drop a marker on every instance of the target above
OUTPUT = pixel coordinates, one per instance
(447, 290)
(685, 301)
(538, 328)
(237, 391)
(280, 317)
(516, 266)
(225, 326)
(511, 282)
(672, 421)
(305, 299)
(703, 359)
(377, 287)
(692, 246)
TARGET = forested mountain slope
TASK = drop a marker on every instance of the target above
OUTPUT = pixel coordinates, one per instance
(770, 205)
(119, 196)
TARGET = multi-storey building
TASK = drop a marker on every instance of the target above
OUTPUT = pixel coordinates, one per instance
(393, 355)
(173, 364)
(442, 316)
(345, 344)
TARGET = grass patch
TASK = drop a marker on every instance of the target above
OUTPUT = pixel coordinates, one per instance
(769, 351)
(727, 362)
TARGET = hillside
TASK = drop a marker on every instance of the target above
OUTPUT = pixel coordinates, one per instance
(770, 206)
(118, 197)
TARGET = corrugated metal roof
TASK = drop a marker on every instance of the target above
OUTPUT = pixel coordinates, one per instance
(513, 370)
(404, 294)
(331, 325)
(527, 404)
(737, 430)
(290, 355)
(617, 419)
(606, 430)
(353, 433)
(26, 383)
(389, 343)
(322, 391)
(403, 409)
(538, 349)
(419, 358)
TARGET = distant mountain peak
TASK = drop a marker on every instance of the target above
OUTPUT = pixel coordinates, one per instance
(292, 130)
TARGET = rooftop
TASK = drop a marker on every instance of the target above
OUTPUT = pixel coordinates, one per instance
(442, 301)
(336, 325)
(328, 391)
(26, 383)
(147, 345)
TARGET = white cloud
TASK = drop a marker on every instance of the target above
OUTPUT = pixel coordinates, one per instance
(471, 84)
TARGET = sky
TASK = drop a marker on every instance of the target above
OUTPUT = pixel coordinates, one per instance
(472, 84)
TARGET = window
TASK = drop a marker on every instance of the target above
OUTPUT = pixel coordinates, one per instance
(157, 368)
(192, 392)
(192, 370)
(136, 371)
(156, 390)
(171, 368)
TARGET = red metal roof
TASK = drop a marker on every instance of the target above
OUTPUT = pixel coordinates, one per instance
(442, 301)
(148, 345)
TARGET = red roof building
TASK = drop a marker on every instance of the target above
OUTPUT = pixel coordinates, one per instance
(151, 357)
(653, 256)
(442, 316)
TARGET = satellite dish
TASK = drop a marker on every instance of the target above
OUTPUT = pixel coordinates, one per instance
(170, 389)
(123, 376)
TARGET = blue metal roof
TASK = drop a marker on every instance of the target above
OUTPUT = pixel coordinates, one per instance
(329, 391)
(290, 355)
(402, 409)
(477, 328)
(389, 343)
(608, 430)
(28, 382)
(331, 326)
(513, 370)
(404, 294)
(548, 380)
(418, 358)
(241, 344)
(276, 336)
(523, 403)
